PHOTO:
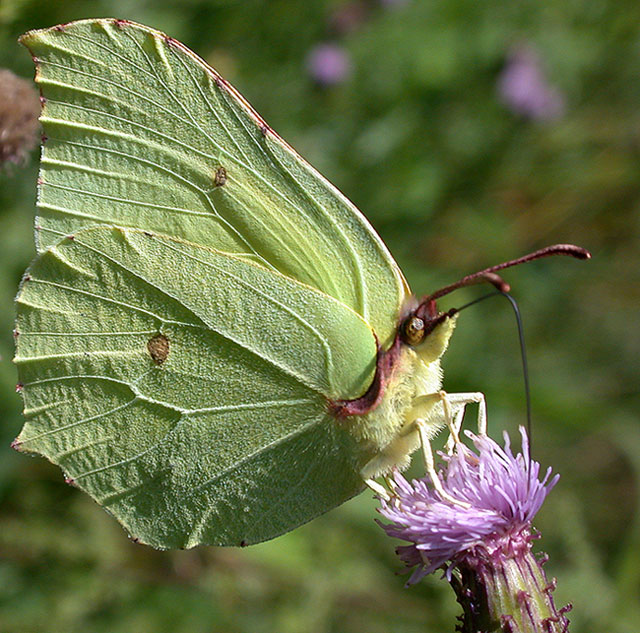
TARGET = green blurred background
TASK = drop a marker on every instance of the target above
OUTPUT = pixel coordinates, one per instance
(412, 122)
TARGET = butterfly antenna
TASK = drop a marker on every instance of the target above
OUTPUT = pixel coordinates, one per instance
(523, 349)
(525, 364)
(427, 308)
(489, 274)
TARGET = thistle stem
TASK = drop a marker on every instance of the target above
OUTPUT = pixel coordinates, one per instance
(502, 587)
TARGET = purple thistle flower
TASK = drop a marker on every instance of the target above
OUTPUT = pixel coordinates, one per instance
(328, 64)
(523, 87)
(502, 491)
(483, 542)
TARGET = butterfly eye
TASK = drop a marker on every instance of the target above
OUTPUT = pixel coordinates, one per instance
(413, 330)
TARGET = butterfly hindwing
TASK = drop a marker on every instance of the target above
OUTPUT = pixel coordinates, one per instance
(193, 410)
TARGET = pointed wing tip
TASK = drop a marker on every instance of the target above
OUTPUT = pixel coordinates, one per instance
(35, 34)
(28, 38)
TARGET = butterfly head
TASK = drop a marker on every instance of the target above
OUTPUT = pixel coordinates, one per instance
(428, 330)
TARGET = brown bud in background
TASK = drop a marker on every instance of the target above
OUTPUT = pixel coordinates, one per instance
(19, 110)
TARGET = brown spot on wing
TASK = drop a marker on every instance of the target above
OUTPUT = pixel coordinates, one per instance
(158, 348)
(220, 177)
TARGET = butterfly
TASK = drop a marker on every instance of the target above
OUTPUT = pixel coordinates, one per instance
(212, 342)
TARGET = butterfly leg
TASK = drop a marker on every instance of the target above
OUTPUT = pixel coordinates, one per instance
(378, 489)
(430, 467)
(459, 401)
(451, 410)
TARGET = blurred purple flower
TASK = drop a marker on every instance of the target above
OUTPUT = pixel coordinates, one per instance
(502, 492)
(523, 87)
(328, 64)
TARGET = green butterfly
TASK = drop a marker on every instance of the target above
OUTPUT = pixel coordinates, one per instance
(213, 342)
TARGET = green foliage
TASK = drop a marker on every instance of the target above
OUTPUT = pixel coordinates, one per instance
(453, 181)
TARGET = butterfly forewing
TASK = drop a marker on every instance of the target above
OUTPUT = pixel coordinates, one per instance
(142, 133)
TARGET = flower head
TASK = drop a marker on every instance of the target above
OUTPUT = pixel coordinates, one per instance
(329, 64)
(523, 87)
(500, 494)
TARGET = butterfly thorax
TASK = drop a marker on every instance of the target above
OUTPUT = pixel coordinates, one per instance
(405, 374)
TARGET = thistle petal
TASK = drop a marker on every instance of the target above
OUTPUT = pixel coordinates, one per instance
(503, 492)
